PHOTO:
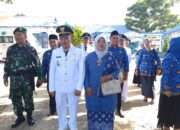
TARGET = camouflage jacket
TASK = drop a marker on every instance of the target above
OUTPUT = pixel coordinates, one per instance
(22, 60)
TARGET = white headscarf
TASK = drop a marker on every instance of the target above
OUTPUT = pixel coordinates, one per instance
(100, 54)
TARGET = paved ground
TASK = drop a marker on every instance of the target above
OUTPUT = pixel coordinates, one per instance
(138, 115)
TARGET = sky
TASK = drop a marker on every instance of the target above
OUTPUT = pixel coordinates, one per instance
(75, 11)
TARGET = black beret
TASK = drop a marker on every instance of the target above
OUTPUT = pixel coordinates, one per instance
(114, 33)
(86, 35)
(64, 29)
(53, 36)
(124, 37)
(20, 29)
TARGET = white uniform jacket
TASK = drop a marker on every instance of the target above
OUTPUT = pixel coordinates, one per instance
(66, 72)
(90, 49)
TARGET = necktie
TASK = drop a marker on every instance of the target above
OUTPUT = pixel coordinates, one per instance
(66, 52)
(85, 48)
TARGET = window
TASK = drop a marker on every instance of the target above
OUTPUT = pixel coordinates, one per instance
(6, 39)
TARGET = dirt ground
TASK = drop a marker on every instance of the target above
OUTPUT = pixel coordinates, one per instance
(138, 115)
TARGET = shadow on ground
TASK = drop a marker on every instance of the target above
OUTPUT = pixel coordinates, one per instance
(50, 123)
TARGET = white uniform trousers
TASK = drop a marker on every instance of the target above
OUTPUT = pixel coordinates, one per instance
(125, 91)
(67, 102)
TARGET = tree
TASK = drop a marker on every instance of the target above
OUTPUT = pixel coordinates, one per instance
(77, 35)
(166, 43)
(174, 1)
(8, 1)
(150, 16)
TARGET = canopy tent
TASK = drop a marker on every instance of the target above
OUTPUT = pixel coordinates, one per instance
(108, 29)
(122, 29)
(29, 21)
(173, 31)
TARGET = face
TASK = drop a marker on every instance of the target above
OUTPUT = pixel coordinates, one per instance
(126, 43)
(115, 40)
(147, 44)
(53, 43)
(142, 45)
(65, 41)
(86, 40)
(101, 44)
(121, 42)
(59, 43)
(20, 37)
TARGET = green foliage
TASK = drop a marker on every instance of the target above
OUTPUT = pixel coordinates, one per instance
(174, 1)
(8, 1)
(150, 15)
(166, 44)
(77, 35)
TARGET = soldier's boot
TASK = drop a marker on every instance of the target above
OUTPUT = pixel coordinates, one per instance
(20, 119)
(30, 120)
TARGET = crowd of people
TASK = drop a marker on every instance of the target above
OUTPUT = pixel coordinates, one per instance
(68, 69)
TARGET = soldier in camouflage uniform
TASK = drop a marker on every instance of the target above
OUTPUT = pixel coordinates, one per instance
(21, 66)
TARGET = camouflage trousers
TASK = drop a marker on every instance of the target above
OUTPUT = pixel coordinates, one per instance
(21, 94)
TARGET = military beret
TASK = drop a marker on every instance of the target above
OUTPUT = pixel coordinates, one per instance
(64, 29)
(114, 33)
(20, 29)
(53, 36)
(124, 37)
(86, 35)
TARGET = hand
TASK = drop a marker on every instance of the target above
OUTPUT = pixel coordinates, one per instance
(89, 92)
(52, 94)
(39, 83)
(5, 78)
(136, 72)
(158, 71)
(45, 80)
(125, 76)
(77, 93)
(6, 82)
(168, 93)
(106, 78)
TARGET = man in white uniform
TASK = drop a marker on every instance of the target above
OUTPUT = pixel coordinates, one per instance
(86, 46)
(66, 78)
(129, 53)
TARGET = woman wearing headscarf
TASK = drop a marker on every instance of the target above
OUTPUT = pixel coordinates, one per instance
(136, 78)
(100, 67)
(169, 102)
(148, 65)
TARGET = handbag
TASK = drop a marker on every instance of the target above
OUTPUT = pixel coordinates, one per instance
(136, 77)
(111, 87)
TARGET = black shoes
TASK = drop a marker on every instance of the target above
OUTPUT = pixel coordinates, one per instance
(18, 122)
(30, 121)
(120, 114)
(52, 114)
(21, 119)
